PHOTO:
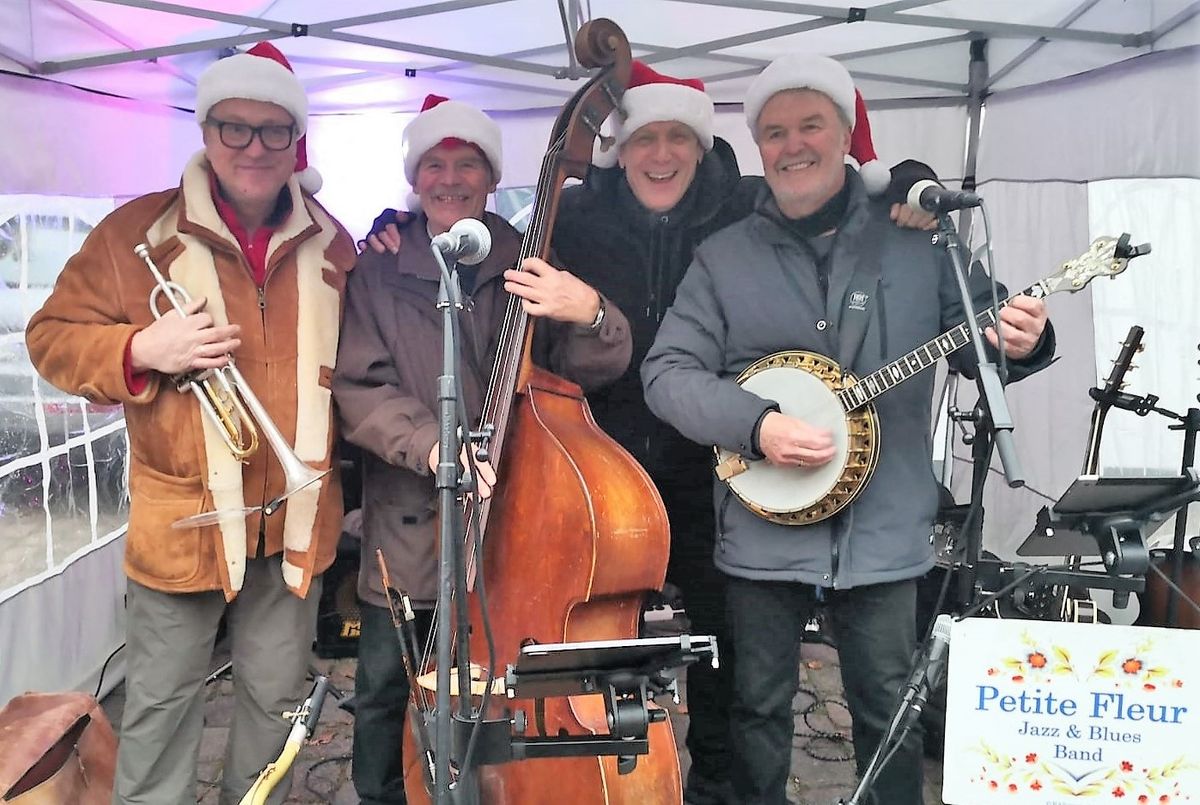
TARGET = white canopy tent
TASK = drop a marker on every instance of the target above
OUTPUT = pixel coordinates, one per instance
(1074, 117)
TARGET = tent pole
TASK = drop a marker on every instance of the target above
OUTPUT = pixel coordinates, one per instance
(977, 80)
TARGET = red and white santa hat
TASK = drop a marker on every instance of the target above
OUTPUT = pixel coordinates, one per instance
(260, 74)
(442, 119)
(652, 97)
(823, 74)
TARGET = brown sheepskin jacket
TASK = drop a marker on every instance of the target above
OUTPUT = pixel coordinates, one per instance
(178, 465)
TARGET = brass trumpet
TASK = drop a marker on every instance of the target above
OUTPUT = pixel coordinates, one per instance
(230, 405)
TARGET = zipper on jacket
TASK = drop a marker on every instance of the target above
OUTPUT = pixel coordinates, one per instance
(658, 237)
(261, 291)
(721, 519)
(839, 525)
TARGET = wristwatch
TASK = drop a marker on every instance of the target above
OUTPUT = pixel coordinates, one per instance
(598, 322)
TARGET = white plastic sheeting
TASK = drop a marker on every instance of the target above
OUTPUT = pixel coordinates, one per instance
(1160, 292)
(63, 491)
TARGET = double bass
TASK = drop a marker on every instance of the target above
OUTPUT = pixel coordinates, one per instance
(575, 534)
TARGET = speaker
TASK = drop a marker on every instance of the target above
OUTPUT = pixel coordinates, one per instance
(338, 620)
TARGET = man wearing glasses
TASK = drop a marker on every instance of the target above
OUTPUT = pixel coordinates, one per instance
(265, 267)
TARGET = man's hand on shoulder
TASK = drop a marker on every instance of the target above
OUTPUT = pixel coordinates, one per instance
(904, 175)
(385, 232)
(908, 218)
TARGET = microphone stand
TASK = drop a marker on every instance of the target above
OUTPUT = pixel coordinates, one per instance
(993, 421)
(916, 693)
(451, 569)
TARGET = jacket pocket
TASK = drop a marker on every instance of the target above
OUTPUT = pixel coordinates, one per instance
(152, 548)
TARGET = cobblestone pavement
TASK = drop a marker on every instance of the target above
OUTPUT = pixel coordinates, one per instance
(822, 762)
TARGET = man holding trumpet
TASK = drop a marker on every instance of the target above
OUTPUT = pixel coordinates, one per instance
(262, 267)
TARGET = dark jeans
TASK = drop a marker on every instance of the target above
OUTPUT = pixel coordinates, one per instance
(876, 637)
(380, 707)
(709, 690)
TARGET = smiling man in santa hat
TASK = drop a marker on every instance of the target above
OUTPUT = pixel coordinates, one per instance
(386, 389)
(817, 266)
(265, 266)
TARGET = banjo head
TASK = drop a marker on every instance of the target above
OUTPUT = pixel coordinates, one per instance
(805, 385)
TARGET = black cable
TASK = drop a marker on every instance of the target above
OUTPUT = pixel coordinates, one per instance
(477, 544)
(103, 668)
(326, 795)
(816, 733)
(1027, 487)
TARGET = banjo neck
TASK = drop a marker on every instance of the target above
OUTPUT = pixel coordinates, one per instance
(912, 363)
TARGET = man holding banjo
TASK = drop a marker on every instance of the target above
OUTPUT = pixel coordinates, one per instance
(817, 269)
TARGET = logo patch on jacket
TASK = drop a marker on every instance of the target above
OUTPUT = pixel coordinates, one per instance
(858, 301)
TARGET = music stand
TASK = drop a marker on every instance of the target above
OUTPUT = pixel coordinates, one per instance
(628, 673)
(568, 669)
(1109, 516)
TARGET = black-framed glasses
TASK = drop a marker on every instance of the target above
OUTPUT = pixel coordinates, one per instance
(274, 137)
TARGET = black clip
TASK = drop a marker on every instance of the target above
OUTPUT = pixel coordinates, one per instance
(1126, 252)
(299, 29)
(855, 14)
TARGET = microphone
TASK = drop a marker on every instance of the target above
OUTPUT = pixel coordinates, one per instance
(930, 196)
(468, 242)
(939, 650)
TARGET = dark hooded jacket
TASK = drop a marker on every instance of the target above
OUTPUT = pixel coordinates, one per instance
(637, 258)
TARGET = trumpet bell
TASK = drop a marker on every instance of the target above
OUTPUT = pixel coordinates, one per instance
(298, 477)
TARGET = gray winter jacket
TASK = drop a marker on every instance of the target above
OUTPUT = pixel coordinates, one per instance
(752, 290)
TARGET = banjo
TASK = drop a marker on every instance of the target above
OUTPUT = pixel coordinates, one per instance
(816, 389)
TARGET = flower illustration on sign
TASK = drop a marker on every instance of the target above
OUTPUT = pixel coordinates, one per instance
(1136, 670)
(1035, 662)
(1161, 784)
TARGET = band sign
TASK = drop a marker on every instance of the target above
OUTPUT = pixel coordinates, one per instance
(1047, 713)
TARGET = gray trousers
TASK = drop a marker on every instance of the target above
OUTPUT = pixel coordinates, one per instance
(168, 648)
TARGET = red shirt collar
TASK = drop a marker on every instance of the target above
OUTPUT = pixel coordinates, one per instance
(254, 247)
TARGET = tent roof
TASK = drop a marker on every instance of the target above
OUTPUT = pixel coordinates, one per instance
(511, 54)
